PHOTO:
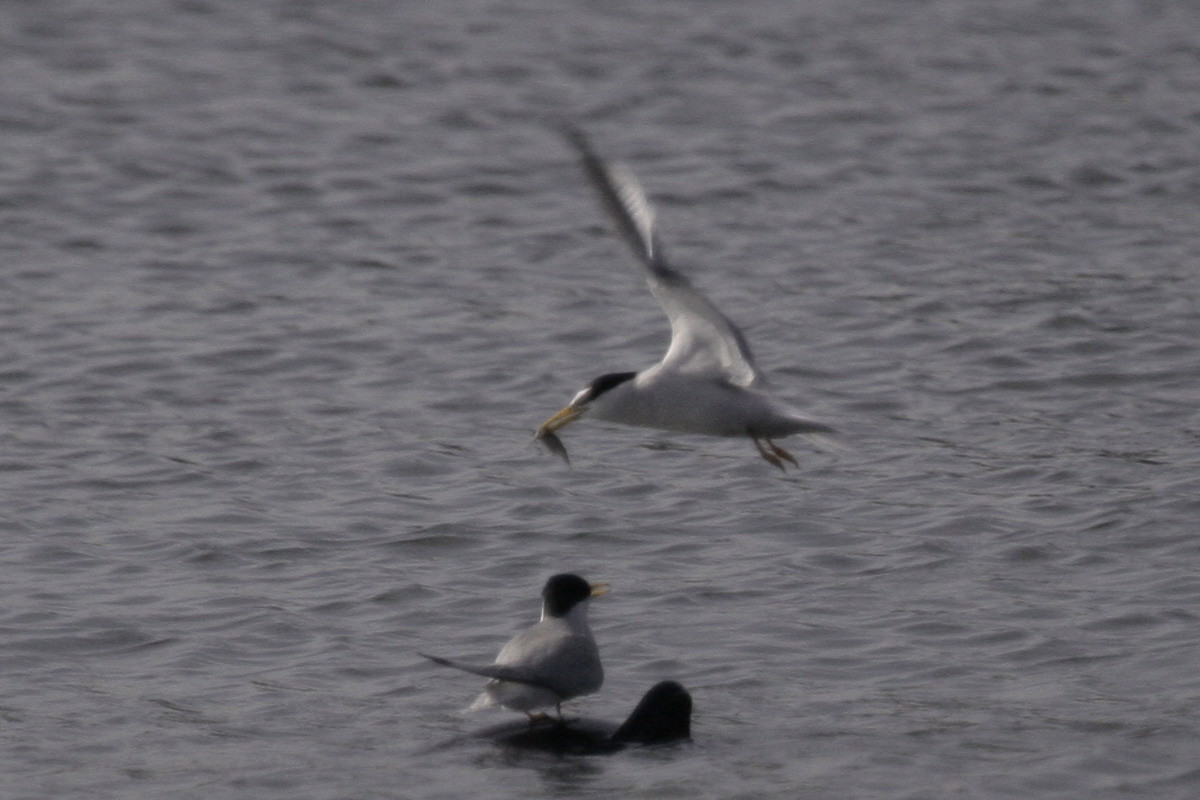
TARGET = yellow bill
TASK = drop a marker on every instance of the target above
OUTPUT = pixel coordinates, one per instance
(559, 420)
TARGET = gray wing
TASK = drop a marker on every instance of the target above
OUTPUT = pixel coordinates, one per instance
(703, 340)
(497, 671)
(563, 661)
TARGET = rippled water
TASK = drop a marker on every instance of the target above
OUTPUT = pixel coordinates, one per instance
(285, 288)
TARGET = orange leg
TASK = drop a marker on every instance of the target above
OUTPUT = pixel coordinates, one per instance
(771, 457)
(784, 454)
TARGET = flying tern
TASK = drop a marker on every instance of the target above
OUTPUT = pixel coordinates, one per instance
(707, 382)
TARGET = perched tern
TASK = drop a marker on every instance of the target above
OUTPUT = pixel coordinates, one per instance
(551, 662)
(707, 382)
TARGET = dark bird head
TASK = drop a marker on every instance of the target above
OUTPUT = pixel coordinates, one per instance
(565, 591)
(663, 715)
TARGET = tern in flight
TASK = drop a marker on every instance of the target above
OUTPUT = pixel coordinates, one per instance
(707, 382)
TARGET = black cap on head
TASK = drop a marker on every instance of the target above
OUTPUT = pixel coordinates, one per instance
(563, 592)
(605, 382)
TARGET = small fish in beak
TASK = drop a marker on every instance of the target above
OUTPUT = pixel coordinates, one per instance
(553, 444)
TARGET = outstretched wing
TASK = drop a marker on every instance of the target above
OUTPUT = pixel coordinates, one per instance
(703, 340)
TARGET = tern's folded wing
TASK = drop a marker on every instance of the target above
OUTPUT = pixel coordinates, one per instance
(496, 671)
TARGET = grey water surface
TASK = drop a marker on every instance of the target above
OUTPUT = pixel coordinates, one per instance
(285, 288)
